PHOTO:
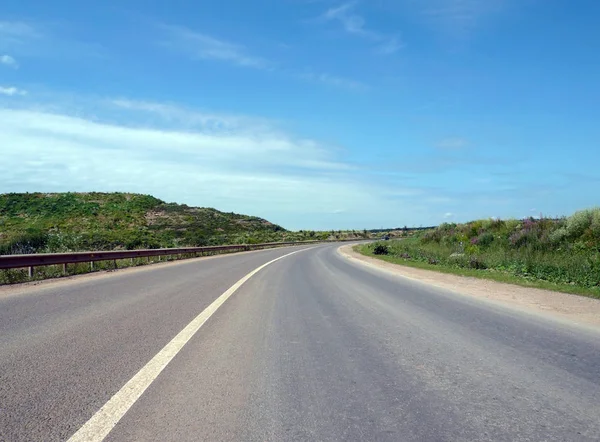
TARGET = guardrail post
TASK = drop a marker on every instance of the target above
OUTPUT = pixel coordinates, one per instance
(115, 263)
(64, 268)
(92, 266)
(30, 272)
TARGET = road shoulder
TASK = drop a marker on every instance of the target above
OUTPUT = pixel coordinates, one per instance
(51, 283)
(578, 309)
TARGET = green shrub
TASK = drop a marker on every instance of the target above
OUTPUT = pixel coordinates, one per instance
(580, 221)
(595, 224)
(381, 249)
(512, 224)
(485, 239)
(558, 236)
(31, 241)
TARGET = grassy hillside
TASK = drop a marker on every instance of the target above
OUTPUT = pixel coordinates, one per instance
(37, 222)
(562, 252)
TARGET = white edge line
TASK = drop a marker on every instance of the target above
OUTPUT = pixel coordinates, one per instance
(105, 419)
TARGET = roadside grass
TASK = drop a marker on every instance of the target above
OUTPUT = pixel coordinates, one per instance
(490, 274)
(553, 254)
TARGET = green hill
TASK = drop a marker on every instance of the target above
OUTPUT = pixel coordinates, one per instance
(60, 222)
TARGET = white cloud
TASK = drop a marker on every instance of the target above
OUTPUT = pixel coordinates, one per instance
(230, 162)
(448, 215)
(332, 80)
(246, 148)
(262, 172)
(9, 61)
(204, 46)
(354, 23)
(172, 114)
(12, 91)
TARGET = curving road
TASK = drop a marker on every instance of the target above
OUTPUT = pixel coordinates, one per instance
(311, 347)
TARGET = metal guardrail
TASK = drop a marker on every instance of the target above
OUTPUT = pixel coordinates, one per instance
(45, 259)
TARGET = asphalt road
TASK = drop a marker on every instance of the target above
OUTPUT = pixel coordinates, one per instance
(312, 347)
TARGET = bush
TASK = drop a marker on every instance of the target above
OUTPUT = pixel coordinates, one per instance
(381, 249)
(485, 239)
(580, 221)
(558, 236)
(30, 241)
(595, 224)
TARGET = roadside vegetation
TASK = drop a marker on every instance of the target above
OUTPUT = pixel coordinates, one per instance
(72, 222)
(65, 222)
(557, 254)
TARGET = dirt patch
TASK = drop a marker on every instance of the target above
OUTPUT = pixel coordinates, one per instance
(565, 306)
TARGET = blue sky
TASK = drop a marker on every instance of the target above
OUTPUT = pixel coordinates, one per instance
(314, 114)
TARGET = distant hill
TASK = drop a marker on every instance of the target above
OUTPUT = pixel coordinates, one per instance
(57, 222)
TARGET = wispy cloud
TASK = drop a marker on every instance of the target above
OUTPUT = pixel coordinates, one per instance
(332, 80)
(460, 17)
(204, 46)
(12, 91)
(43, 40)
(354, 24)
(576, 177)
(452, 144)
(391, 46)
(9, 61)
(17, 31)
(18, 37)
(448, 215)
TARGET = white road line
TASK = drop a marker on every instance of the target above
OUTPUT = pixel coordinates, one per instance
(105, 419)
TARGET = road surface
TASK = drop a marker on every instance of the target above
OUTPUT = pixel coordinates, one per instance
(311, 347)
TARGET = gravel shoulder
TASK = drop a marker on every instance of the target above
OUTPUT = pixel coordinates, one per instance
(577, 309)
